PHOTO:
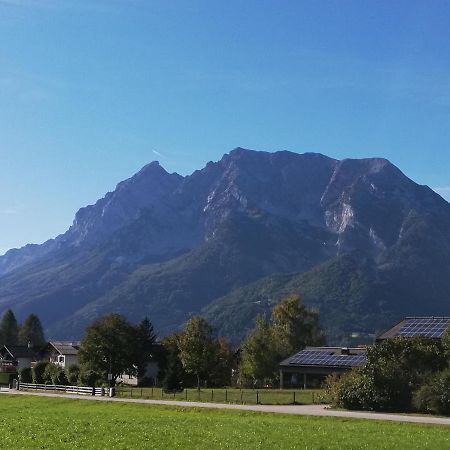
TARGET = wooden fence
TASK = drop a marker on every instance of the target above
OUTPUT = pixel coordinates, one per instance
(79, 390)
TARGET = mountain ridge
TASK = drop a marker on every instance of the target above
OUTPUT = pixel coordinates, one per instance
(170, 246)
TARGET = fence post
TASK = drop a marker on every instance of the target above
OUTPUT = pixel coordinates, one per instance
(294, 398)
(152, 392)
(226, 396)
(212, 395)
(93, 391)
(257, 397)
(241, 397)
(198, 394)
(185, 394)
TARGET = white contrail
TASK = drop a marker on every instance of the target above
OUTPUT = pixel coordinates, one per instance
(158, 154)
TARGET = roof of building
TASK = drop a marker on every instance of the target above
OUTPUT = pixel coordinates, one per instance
(20, 351)
(66, 347)
(431, 327)
(327, 357)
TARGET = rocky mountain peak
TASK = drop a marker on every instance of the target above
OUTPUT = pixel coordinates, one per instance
(147, 188)
(165, 245)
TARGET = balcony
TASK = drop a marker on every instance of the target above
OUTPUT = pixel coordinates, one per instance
(8, 366)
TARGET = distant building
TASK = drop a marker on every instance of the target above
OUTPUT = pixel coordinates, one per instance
(430, 327)
(150, 376)
(16, 357)
(62, 353)
(310, 366)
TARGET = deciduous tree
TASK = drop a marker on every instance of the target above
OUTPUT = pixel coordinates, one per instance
(198, 347)
(109, 346)
(258, 354)
(294, 326)
(221, 371)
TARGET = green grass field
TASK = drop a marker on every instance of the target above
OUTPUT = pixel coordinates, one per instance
(243, 396)
(53, 423)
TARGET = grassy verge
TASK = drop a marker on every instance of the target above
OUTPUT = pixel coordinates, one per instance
(53, 423)
(243, 396)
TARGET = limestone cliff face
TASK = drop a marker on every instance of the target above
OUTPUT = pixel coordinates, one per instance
(156, 238)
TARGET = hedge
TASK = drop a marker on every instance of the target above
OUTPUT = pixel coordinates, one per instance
(7, 377)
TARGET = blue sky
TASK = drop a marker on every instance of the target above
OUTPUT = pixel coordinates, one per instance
(90, 91)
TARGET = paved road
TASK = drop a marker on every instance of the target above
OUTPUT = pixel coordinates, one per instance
(301, 410)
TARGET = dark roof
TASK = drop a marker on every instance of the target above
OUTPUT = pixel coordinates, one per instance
(65, 348)
(327, 357)
(20, 351)
(432, 327)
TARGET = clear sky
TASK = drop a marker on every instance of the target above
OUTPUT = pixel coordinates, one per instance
(90, 91)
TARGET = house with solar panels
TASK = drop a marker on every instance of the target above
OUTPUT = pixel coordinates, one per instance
(430, 327)
(309, 367)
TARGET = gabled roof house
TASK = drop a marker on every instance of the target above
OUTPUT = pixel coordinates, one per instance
(62, 353)
(15, 357)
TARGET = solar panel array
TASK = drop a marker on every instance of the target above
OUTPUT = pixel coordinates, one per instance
(432, 327)
(324, 358)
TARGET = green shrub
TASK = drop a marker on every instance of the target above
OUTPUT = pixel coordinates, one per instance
(423, 398)
(352, 390)
(89, 377)
(435, 396)
(394, 370)
(60, 377)
(54, 374)
(6, 377)
(49, 373)
(72, 373)
(25, 375)
(38, 372)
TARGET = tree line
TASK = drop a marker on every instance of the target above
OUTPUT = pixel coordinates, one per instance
(30, 332)
(197, 357)
(111, 347)
(194, 356)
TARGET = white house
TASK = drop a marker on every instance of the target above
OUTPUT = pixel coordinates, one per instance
(62, 353)
(151, 373)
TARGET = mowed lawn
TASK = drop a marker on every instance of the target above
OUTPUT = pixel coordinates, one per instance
(44, 423)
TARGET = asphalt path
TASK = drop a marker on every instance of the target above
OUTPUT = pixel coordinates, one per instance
(300, 410)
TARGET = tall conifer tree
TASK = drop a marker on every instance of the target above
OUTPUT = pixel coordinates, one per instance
(31, 332)
(9, 330)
